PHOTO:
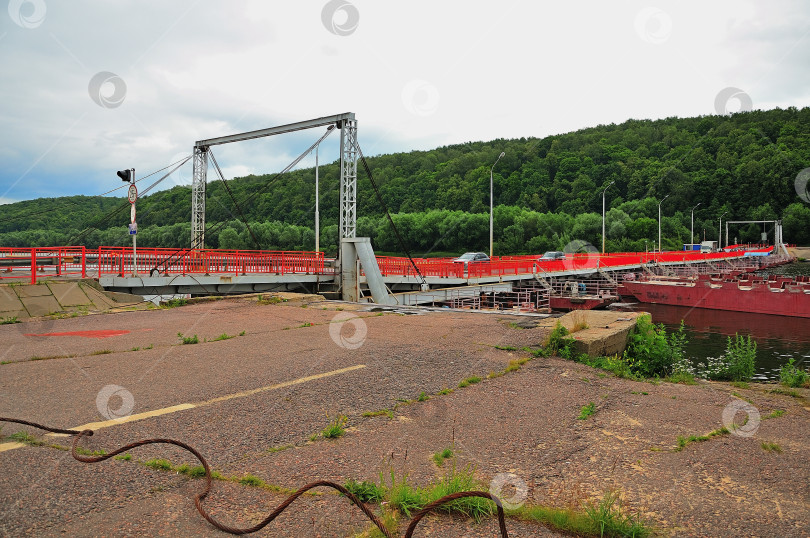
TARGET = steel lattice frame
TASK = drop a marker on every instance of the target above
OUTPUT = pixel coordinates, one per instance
(348, 179)
(198, 197)
(348, 170)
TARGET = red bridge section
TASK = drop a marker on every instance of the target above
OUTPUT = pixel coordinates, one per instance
(80, 262)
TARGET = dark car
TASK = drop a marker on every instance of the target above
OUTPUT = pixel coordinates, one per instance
(552, 255)
(471, 257)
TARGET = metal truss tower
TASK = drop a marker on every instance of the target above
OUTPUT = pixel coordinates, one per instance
(348, 178)
(198, 197)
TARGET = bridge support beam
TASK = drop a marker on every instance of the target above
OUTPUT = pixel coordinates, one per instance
(352, 250)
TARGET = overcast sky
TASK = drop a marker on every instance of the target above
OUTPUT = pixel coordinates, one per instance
(91, 87)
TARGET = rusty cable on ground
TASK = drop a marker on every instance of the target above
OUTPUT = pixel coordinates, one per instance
(198, 499)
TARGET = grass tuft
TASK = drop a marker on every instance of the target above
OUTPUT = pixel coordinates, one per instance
(223, 336)
(469, 381)
(188, 339)
(336, 428)
(587, 411)
(159, 463)
(250, 480)
(771, 447)
(439, 457)
(683, 442)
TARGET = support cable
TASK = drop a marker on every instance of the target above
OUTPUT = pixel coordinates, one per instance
(230, 194)
(106, 218)
(263, 189)
(34, 214)
(388, 214)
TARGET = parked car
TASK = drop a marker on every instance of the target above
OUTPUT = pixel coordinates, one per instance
(552, 255)
(471, 257)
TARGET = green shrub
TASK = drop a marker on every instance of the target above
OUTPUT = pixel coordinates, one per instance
(742, 352)
(792, 376)
(558, 343)
(469, 381)
(439, 457)
(736, 364)
(649, 352)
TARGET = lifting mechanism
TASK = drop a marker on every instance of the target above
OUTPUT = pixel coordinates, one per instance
(352, 248)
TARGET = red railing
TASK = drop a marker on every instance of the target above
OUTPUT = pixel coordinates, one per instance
(169, 261)
(20, 263)
(516, 265)
(64, 261)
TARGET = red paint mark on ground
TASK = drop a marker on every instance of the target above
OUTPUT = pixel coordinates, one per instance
(85, 334)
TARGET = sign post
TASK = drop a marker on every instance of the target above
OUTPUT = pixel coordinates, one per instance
(132, 196)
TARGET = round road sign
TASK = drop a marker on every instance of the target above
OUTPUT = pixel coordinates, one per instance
(132, 195)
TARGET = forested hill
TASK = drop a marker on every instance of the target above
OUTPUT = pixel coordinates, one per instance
(547, 193)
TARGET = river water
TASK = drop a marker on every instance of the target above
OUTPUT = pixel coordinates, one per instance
(778, 338)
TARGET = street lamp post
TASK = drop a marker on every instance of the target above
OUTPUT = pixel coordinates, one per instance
(490, 201)
(603, 214)
(720, 231)
(317, 194)
(659, 222)
(317, 205)
(693, 227)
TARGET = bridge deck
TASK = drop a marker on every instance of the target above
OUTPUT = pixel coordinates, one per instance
(168, 271)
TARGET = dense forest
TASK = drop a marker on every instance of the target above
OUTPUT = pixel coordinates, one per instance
(548, 194)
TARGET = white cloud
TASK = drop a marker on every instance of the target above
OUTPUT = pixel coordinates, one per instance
(199, 69)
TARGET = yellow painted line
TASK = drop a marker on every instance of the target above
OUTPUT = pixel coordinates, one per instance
(280, 385)
(182, 407)
(131, 418)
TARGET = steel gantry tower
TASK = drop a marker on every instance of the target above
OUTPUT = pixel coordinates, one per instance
(348, 178)
(198, 197)
(347, 124)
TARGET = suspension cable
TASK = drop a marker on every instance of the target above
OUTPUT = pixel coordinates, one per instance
(230, 194)
(249, 198)
(106, 218)
(34, 214)
(388, 214)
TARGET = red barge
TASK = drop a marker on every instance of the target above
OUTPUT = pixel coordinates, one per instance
(780, 296)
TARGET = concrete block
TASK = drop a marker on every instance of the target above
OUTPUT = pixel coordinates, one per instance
(32, 290)
(69, 294)
(9, 302)
(41, 306)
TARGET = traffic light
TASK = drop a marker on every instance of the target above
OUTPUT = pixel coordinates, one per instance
(125, 175)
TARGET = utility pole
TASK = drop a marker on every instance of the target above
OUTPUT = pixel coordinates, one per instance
(603, 214)
(659, 222)
(692, 243)
(491, 203)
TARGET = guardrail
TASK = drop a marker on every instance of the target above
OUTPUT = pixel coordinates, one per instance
(22, 263)
(65, 261)
(17, 263)
(167, 261)
(517, 265)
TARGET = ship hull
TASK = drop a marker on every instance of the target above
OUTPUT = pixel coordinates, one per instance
(757, 297)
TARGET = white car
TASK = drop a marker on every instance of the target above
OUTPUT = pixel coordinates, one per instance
(471, 257)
